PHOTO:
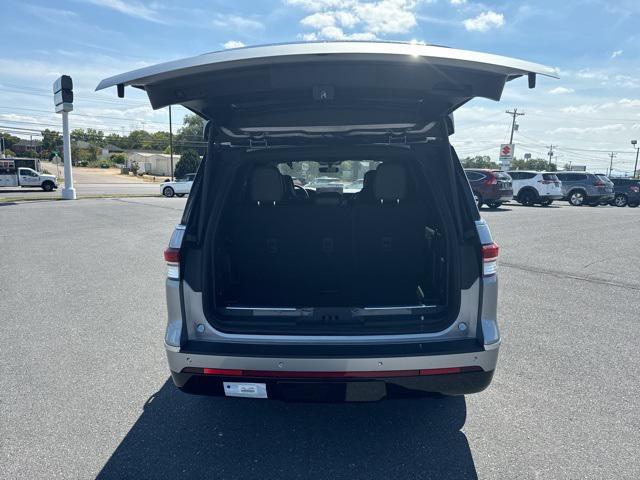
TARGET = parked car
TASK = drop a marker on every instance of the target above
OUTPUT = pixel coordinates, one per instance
(489, 187)
(180, 187)
(531, 187)
(398, 293)
(627, 192)
(14, 176)
(354, 187)
(584, 188)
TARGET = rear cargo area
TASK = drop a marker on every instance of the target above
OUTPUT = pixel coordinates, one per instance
(329, 251)
(318, 261)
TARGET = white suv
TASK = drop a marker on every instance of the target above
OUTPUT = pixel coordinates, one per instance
(180, 187)
(530, 187)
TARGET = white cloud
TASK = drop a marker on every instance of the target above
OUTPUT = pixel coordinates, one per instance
(50, 14)
(315, 5)
(616, 53)
(580, 131)
(628, 102)
(237, 23)
(589, 74)
(356, 19)
(319, 20)
(561, 90)
(626, 81)
(457, 2)
(387, 16)
(580, 109)
(484, 22)
(233, 44)
(132, 9)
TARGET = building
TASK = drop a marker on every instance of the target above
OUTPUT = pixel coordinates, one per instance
(24, 145)
(108, 150)
(152, 163)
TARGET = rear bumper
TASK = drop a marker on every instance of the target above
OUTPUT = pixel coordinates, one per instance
(389, 376)
(342, 390)
(498, 196)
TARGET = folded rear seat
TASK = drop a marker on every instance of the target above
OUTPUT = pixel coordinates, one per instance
(389, 241)
(262, 244)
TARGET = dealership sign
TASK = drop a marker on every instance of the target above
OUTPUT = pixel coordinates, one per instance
(506, 155)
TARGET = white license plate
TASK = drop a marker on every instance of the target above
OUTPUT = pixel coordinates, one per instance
(249, 390)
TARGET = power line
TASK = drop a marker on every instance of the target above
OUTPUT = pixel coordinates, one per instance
(84, 115)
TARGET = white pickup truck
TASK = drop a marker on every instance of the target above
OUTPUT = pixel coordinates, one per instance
(10, 176)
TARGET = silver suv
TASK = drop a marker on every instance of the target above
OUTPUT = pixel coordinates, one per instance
(279, 291)
(584, 188)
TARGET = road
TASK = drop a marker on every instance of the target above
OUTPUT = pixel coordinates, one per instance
(88, 182)
(84, 189)
(84, 388)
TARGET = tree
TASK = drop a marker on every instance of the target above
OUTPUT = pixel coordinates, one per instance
(188, 163)
(119, 159)
(51, 142)
(190, 136)
(537, 164)
(479, 162)
(9, 140)
(159, 140)
(140, 140)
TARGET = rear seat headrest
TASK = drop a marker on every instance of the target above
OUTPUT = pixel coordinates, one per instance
(368, 179)
(266, 185)
(390, 182)
(289, 189)
(328, 198)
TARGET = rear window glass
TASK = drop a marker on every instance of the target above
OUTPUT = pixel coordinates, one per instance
(474, 176)
(604, 178)
(346, 176)
(502, 176)
(550, 176)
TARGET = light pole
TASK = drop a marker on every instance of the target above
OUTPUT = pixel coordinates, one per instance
(63, 100)
(635, 167)
(171, 142)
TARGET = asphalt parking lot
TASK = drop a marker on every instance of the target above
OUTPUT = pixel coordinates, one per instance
(84, 388)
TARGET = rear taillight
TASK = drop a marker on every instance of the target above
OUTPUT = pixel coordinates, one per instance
(490, 254)
(172, 257)
(491, 180)
(172, 253)
(634, 189)
(546, 182)
(599, 183)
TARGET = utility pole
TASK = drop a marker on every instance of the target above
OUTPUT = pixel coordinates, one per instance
(635, 167)
(514, 114)
(611, 155)
(171, 142)
(551, 154)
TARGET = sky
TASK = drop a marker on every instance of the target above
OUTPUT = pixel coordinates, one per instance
(593, 109)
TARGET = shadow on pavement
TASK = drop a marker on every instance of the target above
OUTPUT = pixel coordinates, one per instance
(498, 210)
(183, 436)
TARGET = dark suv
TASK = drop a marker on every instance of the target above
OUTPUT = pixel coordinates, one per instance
(489, 187)
(627, 192)
(584, 188)
(277, 290)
